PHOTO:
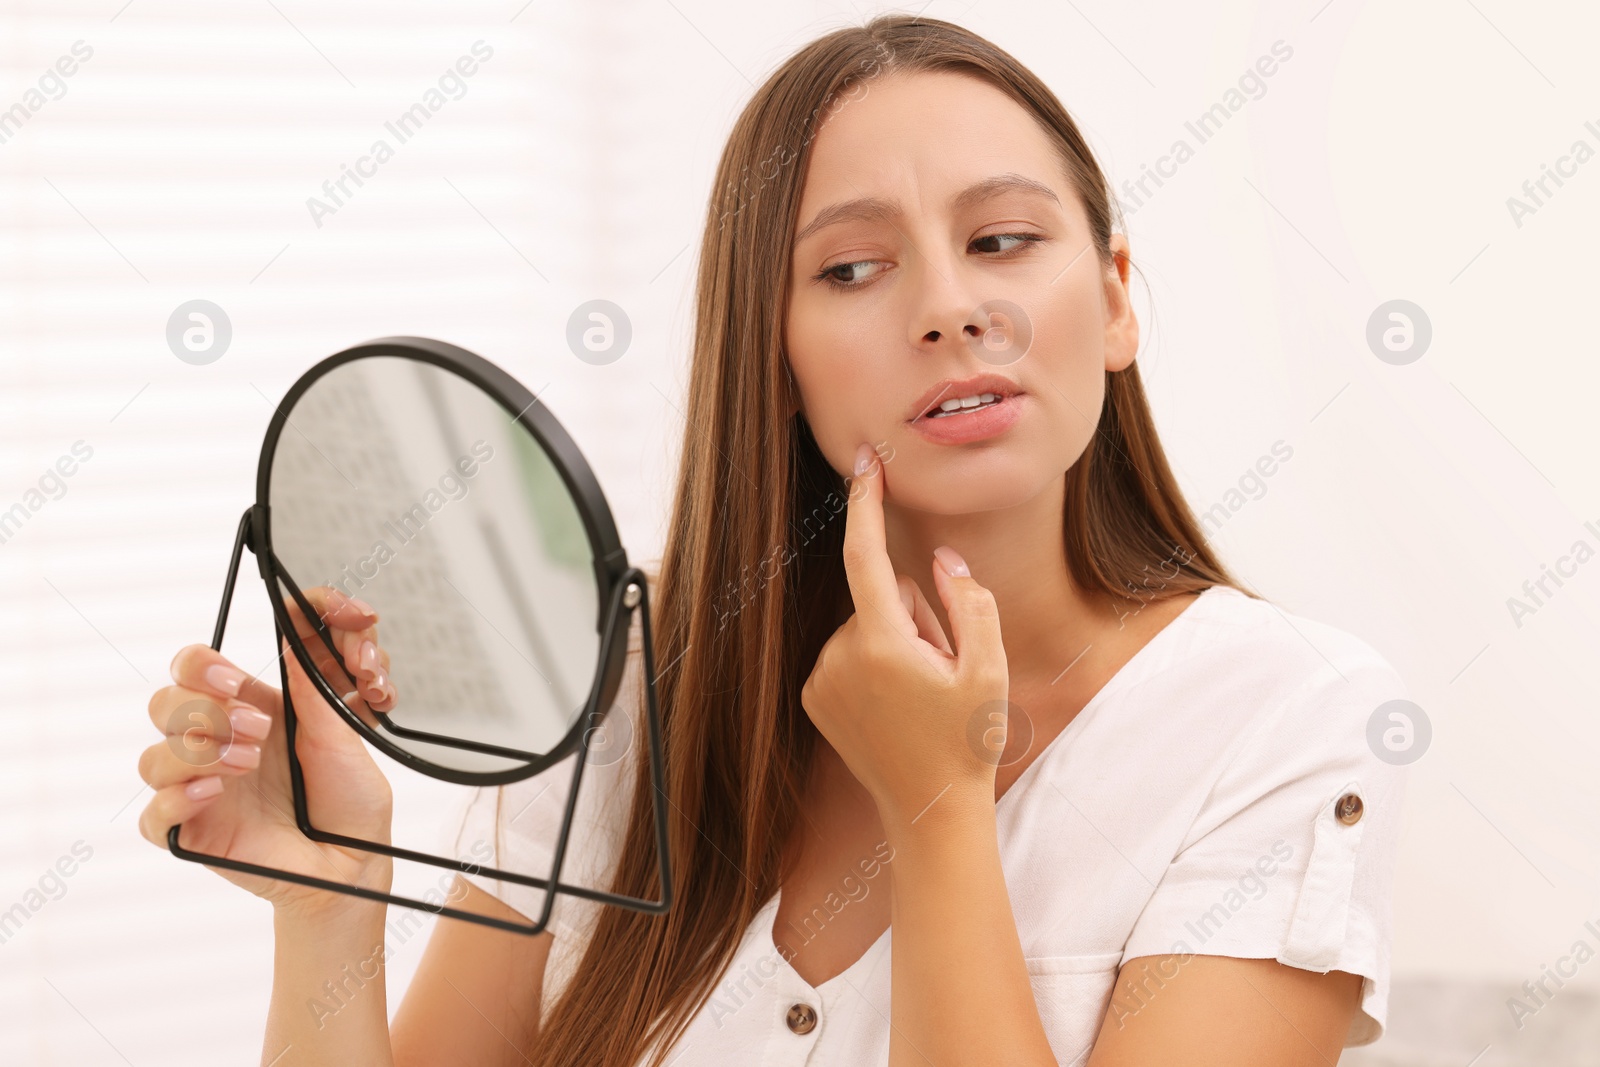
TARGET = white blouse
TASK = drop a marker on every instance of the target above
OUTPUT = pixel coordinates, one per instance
(1217, 796)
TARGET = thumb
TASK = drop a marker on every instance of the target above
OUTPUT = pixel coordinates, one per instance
(974, 618)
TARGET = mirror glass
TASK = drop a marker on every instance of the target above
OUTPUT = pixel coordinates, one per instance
(406, 486)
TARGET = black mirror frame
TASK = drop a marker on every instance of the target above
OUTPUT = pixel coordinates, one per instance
(622, 589)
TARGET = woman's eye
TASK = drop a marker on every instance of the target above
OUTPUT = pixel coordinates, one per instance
(846, 276)
(849, 279)
(1021, 238)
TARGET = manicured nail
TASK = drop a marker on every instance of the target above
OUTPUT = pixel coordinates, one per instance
(864, 456)
(366, 609)
(249, 721)
(242, 755)
(203, 788)
(373, 689)
(951, 561)
(224, 678)
(367, 657)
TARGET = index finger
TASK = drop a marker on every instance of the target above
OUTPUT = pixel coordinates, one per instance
(335, 608)
(203, 669)
(352, 626)
(866, 559)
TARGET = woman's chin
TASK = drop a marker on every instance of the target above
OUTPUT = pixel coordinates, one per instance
(949, 494)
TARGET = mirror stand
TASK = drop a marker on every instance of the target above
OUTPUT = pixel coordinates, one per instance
(630, 592)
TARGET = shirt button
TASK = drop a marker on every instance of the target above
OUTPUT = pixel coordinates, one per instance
(1348, 808)
(802, 1018)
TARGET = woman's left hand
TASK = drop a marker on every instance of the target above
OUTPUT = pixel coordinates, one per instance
(908, 711)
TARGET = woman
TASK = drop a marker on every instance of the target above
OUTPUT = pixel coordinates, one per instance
(944, 651)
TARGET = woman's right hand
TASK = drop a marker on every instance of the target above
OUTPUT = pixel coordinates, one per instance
(222, 769)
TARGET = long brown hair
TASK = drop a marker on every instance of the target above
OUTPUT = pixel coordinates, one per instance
(751, 579)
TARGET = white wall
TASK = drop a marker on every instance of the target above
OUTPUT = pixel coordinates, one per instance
(1376, 165)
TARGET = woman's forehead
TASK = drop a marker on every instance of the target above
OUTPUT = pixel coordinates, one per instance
(928, 134)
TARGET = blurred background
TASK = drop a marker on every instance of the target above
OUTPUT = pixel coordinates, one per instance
(1366, 271)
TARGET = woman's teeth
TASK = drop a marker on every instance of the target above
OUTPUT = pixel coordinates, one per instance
(966, 403)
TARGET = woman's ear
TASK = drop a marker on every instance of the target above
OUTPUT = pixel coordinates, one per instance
(1122, 327)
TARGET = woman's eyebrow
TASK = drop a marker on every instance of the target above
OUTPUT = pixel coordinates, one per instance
(878, 209)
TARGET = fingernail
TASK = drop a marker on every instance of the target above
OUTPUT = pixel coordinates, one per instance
(951, 561)
(365, 608)
(367, 658)
(248, 721)
(224, 678)
(374, 689)
(241, 755)
(201, 788)
(863, 458)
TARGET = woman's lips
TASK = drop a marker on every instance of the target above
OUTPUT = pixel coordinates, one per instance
(973, 424)
(949, 388)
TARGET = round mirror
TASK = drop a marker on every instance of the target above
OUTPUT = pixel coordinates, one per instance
(423, 481)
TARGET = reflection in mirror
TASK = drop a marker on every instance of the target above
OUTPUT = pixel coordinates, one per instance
(403, 485)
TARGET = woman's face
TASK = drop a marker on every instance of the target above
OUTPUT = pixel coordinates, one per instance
(970, 214)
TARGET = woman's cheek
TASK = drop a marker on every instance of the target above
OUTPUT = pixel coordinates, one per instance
(831, 410)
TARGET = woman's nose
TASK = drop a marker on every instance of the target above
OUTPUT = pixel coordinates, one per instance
(947, 305)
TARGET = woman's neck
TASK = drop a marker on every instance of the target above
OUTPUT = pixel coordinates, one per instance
(1019, 555)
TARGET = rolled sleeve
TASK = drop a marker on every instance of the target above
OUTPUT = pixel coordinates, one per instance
(1291, 855)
